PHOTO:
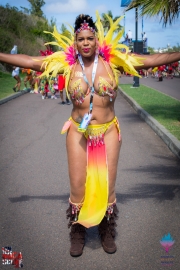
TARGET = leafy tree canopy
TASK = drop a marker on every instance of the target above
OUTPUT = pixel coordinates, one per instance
(36, 6)
(168, 10)
(24, 30)
(105, 21)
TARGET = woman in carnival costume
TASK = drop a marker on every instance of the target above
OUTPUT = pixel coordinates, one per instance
(91, 63)
(47, 82)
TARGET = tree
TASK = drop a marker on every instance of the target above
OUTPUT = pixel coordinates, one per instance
(151, 50)
(105, 21)
(25, 10)
(36, 6)
(64, 31)
(167, 9)
(174, 48)
(26, 31)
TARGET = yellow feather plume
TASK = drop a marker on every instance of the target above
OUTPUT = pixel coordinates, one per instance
(100, 28)
(115, 53)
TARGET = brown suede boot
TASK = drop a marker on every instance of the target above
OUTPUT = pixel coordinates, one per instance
(107, 230)
(77, 235)
(78, 231)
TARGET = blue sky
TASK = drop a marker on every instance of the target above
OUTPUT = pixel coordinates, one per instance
(66, 11)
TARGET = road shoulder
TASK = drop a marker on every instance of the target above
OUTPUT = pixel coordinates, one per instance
(17, 94)
(171, 141)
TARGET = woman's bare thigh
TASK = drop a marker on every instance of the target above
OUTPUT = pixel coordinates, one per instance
(113, 146)
(77, 161)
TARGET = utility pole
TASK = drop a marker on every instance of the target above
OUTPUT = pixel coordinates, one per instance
(136, 79)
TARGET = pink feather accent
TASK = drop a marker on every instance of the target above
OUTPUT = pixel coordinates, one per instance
(105, 51)
(45, 53)
(70, 53)
(66, 126)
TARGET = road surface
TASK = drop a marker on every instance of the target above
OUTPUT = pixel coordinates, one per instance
(35, 190)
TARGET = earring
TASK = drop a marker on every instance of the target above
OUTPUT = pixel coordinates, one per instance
(75, 52)
(97, 46)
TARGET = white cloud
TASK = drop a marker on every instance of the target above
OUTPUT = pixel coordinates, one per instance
(67, 6)
(100, 8)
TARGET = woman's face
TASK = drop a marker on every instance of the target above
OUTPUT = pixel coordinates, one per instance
(86, 43)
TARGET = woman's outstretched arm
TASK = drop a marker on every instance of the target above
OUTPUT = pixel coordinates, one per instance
(158, 59)
(22, 60)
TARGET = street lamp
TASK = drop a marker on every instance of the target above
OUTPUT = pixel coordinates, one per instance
(125, 3)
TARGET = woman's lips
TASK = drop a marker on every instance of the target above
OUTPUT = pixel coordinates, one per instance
(86, 50)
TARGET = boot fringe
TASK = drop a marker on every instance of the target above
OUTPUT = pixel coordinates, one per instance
(70, 216)
(110, 222)
(72, 212)
(107, 231)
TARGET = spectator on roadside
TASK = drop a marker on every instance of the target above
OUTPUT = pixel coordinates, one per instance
(146, 73)
(14, 50)
(169, 71)
(144, 37)
(175, 68)
(28, 77)
(160, 72)
(37, 80)
(61, 88)
(15, 75)
(129, 36)
(126, 39)
(154, 72)
(51, 81)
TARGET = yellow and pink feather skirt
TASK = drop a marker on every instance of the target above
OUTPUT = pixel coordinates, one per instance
(97, 185)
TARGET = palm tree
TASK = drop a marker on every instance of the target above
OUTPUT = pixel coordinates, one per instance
(167, 9)
(105, 21)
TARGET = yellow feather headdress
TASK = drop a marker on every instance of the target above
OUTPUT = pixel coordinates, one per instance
(117, 55)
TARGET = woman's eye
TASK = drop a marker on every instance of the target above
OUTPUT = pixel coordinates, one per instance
(80, 39)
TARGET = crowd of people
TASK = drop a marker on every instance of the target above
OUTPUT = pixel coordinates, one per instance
(168, 71)
(47, 87)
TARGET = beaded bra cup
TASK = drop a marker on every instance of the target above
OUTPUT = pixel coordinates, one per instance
(104, 88)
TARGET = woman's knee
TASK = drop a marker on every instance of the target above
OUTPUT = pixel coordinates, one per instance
(77, 195)
(77, 190)
(19, 80)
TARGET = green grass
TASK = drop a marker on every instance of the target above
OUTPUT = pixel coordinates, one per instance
(7, 82)
(164, 109)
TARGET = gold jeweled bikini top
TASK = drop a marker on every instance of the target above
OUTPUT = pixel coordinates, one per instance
(104, 88)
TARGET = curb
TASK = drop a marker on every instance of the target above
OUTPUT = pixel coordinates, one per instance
(22, 92)
(171, 141)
